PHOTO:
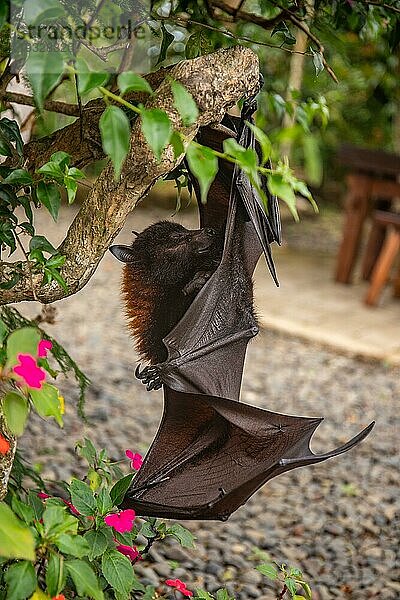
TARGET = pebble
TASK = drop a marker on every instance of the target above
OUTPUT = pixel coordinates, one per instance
(338, 521)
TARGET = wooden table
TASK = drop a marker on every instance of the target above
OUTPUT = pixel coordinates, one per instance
(372, 183)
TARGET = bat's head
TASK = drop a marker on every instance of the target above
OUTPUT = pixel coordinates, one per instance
(167, 249)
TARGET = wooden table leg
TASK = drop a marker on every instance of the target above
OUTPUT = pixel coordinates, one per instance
(381, 271)
(396, 290)
(374, 246)
(356, 206)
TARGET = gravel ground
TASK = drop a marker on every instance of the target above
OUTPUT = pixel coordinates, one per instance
(338, 521)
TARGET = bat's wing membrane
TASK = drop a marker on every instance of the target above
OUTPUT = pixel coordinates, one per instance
(211, 454)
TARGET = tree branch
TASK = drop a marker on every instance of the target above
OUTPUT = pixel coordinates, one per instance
(82, 138)
(217, 81)
(51, 105)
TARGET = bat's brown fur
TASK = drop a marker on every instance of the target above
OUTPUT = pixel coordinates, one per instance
(167, 267)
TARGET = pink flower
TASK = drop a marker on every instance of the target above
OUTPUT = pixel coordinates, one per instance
(43, 496)
(180, 586)
(122, 521)
(136, 459)
(28, 370)
(43, 347)
(131, 552)
(4, 445)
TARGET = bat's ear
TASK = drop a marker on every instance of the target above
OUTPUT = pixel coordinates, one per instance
(124, 253)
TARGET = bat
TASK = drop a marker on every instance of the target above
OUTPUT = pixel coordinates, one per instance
(212, 452)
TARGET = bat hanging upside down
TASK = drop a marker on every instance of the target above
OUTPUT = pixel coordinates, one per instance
(165, 267)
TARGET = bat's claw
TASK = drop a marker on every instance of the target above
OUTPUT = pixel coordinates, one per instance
(150, 377)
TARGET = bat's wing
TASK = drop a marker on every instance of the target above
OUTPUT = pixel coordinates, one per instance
(211, 454)
(206, 349)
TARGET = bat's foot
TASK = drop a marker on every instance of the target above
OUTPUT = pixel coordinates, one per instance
(150, 377)
(198, 281)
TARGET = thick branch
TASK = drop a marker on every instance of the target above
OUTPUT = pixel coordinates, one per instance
(85, 148)
(217, 81)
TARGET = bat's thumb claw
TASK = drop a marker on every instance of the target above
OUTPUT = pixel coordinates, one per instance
(137, 372)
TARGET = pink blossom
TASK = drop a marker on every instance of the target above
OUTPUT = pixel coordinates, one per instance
(28, 370)
(136, 459)
(43, 496)
(43, 347)
(122, 521)
(131, 552)
(180, 586)
(4, 445)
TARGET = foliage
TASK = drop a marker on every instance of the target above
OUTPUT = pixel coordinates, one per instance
(291, 578)
(11, 320)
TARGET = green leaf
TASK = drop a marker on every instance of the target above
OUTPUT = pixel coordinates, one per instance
(52, 170)
(55, 574)
(183, 535)
(278, 187)
(16, 539)
(84, 578)
(89, 79)
(120, 488)
(22, 341)
(3, 13)
(71, 187)
(291, 585)
(263, 140)
(3, 331)
(156, 128)
(60, 158)
(147, 530)
(21, 580)
(118, 571)
(82, 497)
(75, 545)
(177, 144)
(39, 242)
(10, 130)
(318, 61)
(57, 520)
(22, 510)
(97, 541)
(49, 195)
(115, 133)
(19, 176)
(204, 166)
(313, 160)
(167, 39)
(46, 402)
(184, 103)
(268, 570)
(282, 28)
(15, 409)
(198, 43)
(131, 82)
(104, 502)
(36, 504)
(39, 11)
(44, 71)
(203, 595)
(76, 173)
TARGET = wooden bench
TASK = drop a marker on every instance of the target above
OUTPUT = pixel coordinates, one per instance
(386, 226)
(372, 183)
